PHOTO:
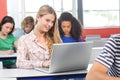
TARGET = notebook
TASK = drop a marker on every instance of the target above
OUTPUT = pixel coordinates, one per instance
(69, 57)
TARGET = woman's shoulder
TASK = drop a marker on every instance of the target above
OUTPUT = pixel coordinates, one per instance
(18, 32)
(80, 39)
(27, 36)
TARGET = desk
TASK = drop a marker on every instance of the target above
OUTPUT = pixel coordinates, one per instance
(31, 74)
(5, 56)
(95, 52)
(8, 79)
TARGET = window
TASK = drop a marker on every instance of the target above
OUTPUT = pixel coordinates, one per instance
(101, 13)
(19, 9)
(92, 13)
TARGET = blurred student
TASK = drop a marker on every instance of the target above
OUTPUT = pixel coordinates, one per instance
(35, 48)
(107, 64)
(7, 40)
(27, 26)
(70, 28)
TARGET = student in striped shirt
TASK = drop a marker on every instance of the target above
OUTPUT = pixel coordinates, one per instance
(107, 64)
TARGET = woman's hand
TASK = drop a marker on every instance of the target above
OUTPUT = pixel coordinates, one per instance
(9, 52)
(46, 63)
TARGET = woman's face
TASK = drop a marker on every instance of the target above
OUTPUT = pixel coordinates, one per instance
(28, 28)
(66, 27)
(45, 23)
(7, 28)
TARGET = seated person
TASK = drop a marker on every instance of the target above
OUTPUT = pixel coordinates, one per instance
(27, 26)
(70, 28)
(7, 40)
(107, 64)
(34, 49)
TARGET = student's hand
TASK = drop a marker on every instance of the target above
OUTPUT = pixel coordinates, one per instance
(9, 52)
(46, 63)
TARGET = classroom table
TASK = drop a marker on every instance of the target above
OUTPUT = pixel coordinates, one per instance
(8, 79)
(31, 74)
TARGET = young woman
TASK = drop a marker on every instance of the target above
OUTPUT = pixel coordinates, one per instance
(34, 49)
(70, 28)
(7, 40)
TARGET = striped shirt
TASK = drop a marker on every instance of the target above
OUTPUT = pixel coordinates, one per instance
(110, 56)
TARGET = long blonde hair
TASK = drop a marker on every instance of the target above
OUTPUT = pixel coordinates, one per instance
(53, 34)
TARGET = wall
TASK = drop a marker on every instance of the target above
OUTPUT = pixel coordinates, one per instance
(3, 8)
(104, 32)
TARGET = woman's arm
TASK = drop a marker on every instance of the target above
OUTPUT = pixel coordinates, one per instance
(7, 52)
(16, 44)
(24, 59)
(98, 72)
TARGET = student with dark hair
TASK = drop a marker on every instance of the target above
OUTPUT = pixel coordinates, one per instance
(7, 40)
(70, 28)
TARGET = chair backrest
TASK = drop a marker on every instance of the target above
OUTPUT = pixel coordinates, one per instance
(92, 37)
(95, 52)
(99, 43)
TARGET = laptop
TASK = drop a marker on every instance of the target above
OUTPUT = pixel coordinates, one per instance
(69, 57)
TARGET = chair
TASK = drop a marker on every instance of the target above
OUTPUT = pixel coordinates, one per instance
(92, 37)
(99, 43)
(95, 52)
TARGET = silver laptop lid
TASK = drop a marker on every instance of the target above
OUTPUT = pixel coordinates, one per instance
(70, 56)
